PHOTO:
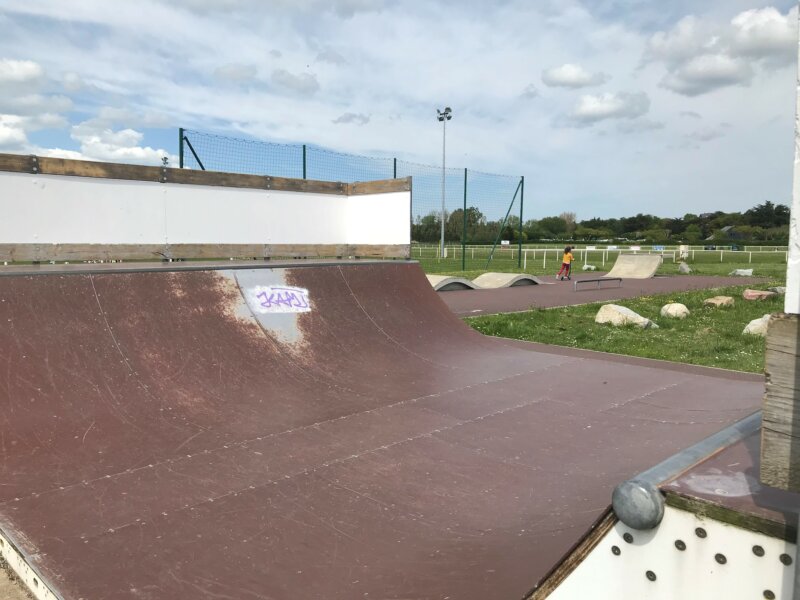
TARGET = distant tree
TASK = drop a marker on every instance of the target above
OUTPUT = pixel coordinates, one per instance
(655, 235)
(454, 227)
(569, 219)
(427, 228)
(767, 215)
(693, 234)
(592, 233)
(553, 227)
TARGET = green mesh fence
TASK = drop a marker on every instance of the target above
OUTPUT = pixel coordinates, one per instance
(482, 211)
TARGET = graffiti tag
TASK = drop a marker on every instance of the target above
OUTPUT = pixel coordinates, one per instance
(280, 299)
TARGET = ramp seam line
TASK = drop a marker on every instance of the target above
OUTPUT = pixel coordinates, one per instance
(325, 465)
(176, 460)
(389, 337)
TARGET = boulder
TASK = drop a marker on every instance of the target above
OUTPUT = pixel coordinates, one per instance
(589, 268)
(757, 294)
(718, 301)
(620, 315)
(778, 289)
(684, 269)
(757, 326)
(675, 310)
(742, 273)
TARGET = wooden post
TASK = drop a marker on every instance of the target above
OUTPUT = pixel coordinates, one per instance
(780, 432)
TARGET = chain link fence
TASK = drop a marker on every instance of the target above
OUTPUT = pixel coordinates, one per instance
(478, 208)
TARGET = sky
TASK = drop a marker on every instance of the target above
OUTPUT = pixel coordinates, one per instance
(607, 107)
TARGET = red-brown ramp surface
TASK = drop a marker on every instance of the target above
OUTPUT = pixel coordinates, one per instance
(161, 438)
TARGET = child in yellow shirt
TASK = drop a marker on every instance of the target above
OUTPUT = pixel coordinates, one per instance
(566, 264)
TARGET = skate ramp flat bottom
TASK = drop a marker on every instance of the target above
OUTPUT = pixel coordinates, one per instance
(635, 266)
(320, 432)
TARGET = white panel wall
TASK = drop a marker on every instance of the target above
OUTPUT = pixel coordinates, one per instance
(77, 210)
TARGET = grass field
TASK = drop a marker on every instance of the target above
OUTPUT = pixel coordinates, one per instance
(765, 264)
(709, 336)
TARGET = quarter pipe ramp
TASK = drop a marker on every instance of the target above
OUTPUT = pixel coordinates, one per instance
(635, 266)
(308, 432)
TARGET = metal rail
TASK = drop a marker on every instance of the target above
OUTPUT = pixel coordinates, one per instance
(597, 281)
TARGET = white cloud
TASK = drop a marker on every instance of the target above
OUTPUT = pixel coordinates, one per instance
(304, 83)
(236, 72)
(123, 145)
(765, 33)
(33, 104)
(591, 109)
(20, 71)
(690, 114)
(348, 117)
(572, 76)
(702, 56)
(72, 82)
(706, 73)
(12, 132)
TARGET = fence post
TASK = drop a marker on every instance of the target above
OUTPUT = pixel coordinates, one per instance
(464, 232)
(180, 147)
(521, 201)
(394, 176)
(304, 161)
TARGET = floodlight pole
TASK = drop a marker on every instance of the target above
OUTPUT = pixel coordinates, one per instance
(444, 116)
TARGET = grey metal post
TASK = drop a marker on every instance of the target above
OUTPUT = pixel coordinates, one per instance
(444, 136)
(443, 116)
(464, 232)
(521, 201)
(180, 147)
(304, 161)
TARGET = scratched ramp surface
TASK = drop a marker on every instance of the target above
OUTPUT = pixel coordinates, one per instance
(172, 435)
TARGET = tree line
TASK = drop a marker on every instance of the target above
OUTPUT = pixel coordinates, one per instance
(765, 222)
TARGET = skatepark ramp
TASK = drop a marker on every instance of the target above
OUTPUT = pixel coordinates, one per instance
(698, 525)
(635, 266)
(504, 280)
(319, 430)
(446, 283)
(486, 281)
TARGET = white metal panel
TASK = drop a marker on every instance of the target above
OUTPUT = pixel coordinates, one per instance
(379, 218)
(693, 573)
(205, 215)
(48, 209)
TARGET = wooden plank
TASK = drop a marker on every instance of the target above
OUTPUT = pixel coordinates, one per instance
(19, 163)
(308, 185)
(214, 178)
(382, 186)
(85, 168)
(750, 522)
(574, 557)
(15, 163)
(13, 253)
(780, 431)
